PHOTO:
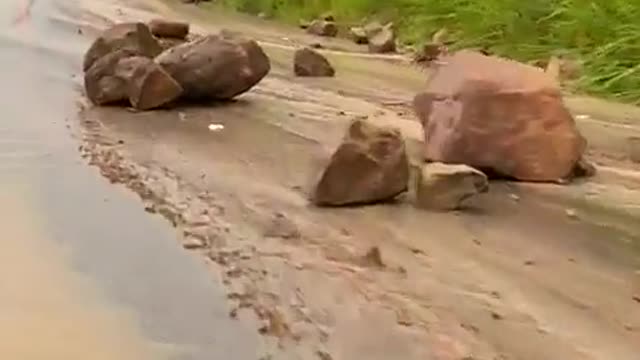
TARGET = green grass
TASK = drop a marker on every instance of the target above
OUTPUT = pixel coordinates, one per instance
(603, 34)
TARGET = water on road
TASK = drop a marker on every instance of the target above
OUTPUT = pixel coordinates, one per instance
(85, 273)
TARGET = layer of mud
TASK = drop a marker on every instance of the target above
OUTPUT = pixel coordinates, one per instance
(516, 277)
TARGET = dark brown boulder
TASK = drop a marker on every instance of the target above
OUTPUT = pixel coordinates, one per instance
(169, 29)
(498, 115)
(121, 76)
(220, 66)
(308, 62)
(323, 28)
(149, 86)
(135, 38)
(371, 165)
(383, 40)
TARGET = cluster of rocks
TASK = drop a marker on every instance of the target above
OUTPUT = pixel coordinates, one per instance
(128, 63)
(480, 114)
(379, 38)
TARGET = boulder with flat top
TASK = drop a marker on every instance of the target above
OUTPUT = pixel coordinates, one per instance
(499, 116)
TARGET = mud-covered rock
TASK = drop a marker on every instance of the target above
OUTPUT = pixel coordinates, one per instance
(370, 165)
(169, 29)
(358, 35)
(498, 115)
(323, 28)
(308, 62)
(383, 41)
(430, 52)
(445, 187)
(132, 37)
(121, 76)
(216, 67)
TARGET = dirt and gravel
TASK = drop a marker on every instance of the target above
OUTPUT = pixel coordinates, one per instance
(530, 272)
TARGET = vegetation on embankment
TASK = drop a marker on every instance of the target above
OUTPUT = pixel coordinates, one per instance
(603, 34)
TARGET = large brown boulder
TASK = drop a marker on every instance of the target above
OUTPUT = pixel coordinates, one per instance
(132, 37)
(149, 85)
(323, 28)
(219, 66)
(445, 187)
(121, 76)
(370, 165)
(169, 29)
(498, 115)
(307, 62)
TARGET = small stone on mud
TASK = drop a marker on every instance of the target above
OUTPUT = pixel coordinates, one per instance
(192, 243)
(216, 127)
(530, 262)
(571, 213)
(636, 298)
(514, 197)
(323, 355)
(373, 258)
(496, 316)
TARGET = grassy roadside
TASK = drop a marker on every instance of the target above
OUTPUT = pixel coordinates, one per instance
(604, 35)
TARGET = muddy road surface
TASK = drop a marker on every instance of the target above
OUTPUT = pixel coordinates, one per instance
(268, 276)
(84, 272)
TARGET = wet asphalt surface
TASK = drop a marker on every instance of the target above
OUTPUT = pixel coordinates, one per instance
(129, 257)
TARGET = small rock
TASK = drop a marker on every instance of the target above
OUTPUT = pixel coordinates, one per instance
(496, 316)
(584, 169)
(371, 165)
(323, 28)
(193, 243)
(373, 258)
(316, 46)
(169, 29)
(303, 24)
(514, 197)
(636, 298)
(308, 62)
(448, 187)
(282, 227)
(384, 41)
(529, 263)
(571, 213)
(328, 17)
(358, 35)
(263, 15)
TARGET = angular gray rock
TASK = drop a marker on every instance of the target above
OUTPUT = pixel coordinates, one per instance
(216, 67)
(371, 165)
(444, 187)
(383, 41)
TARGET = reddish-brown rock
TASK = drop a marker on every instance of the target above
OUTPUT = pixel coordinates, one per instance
(308, 62)
(498, 115)
(217, 66)
(134, 38)
(169, 29)
(370, 165)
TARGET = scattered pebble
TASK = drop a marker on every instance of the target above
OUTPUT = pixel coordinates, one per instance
(582, 117)
(192, 243)
(216, 127)
(496, 316)
(530, 263)
(514, 197)
(636, 298)
(571, 213)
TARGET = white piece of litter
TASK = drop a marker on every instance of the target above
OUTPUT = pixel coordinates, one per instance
(216, 127)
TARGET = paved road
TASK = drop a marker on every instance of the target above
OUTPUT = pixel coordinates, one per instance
(85, 273)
